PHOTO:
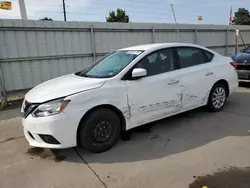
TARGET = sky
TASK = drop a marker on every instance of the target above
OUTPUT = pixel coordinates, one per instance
(146, 11)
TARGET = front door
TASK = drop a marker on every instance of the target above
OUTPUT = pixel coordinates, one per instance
(197, 76)
(158, 94)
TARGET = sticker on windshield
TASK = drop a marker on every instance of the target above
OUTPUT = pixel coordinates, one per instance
(134, 52)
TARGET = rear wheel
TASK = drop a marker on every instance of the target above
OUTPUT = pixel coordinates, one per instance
(217, 97)
(100, 130)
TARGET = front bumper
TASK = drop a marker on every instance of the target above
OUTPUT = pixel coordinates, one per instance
(45, 131)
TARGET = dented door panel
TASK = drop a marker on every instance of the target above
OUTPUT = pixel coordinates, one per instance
(196, 85)
(152, 98)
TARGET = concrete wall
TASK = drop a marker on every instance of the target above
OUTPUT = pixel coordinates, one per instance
(32, 52)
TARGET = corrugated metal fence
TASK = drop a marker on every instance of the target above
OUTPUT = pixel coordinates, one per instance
(32, 52)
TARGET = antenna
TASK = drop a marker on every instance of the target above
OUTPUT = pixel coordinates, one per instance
(177, 28)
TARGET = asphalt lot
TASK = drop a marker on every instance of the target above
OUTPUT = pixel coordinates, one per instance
(177, 150)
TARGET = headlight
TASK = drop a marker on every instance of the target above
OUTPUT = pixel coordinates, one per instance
(50, 108)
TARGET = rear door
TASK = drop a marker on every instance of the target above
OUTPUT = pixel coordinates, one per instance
(197, 76)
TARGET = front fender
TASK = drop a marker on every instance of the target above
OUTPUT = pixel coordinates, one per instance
(81, 103)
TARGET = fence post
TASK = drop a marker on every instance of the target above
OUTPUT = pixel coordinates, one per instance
(196, 36)
(153, 35)
(4, 101)
(92, 42)
(227, 42)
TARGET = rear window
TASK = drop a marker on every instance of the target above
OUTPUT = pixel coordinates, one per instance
(190, 56)
(209, 55)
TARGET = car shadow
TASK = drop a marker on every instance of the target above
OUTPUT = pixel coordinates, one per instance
(178, 134)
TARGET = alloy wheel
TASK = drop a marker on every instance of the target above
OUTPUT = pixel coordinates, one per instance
(219, 97)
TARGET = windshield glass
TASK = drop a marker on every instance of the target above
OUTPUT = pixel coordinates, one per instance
(110, 65)
(248, 50)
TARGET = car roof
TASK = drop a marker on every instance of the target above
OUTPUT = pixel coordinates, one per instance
(147, 47)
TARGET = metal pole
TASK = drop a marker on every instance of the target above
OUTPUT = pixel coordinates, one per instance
(92, 42)
(23, 9)
(196, 36)
(153, 35)
(177, 29)
(64, 11)
(236, 47)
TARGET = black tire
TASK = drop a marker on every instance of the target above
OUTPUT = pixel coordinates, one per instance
(210, 103)
(91, 125)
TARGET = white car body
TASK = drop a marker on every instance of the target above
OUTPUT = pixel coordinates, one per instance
(138, 101)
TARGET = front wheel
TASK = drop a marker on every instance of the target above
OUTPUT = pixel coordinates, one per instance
(217, 98)
(100, 130)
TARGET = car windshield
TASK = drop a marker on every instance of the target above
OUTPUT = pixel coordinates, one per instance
(110, 65)
(247, 50)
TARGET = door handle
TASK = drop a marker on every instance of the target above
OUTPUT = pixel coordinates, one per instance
(209, 73)
(173, 82)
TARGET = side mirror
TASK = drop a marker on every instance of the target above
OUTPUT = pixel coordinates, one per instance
(139, 72)
(242, 50)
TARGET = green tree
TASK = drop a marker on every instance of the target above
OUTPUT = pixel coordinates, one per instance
(119, 16)
(241, 17)
(47, 19)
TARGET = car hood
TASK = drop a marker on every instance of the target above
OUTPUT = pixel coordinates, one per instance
(61, 87)
(242, 57)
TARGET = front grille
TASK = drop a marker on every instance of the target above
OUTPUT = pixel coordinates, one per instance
(27, 108)
(243, 66)
(49, 139)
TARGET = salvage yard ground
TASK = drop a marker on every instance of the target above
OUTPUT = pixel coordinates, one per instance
(177, 151)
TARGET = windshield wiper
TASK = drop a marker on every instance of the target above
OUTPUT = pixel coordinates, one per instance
(89, 76)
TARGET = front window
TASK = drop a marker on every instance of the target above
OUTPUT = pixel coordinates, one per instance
(110, 65)
(157, 62)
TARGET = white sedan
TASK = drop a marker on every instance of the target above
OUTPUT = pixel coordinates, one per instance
(123, 90)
